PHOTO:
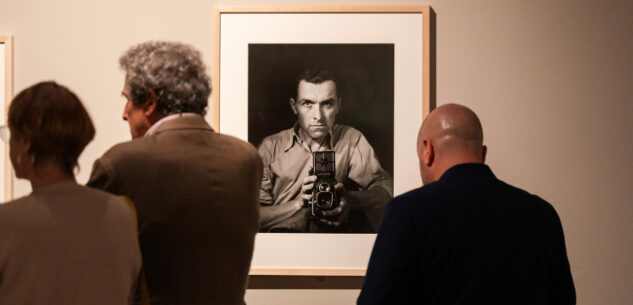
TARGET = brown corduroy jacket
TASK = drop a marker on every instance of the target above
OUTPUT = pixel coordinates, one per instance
(196, 194)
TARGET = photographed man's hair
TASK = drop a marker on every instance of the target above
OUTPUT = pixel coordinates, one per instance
(320, 75)
(54, 122)
(174, 71)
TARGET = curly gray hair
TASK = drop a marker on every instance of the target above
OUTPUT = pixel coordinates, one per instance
(174, 71)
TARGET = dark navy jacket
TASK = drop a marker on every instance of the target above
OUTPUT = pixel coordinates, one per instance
(469, 238)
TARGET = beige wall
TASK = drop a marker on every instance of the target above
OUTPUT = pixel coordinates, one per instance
(551, 80)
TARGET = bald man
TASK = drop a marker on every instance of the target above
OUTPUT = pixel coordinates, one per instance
(466, 237)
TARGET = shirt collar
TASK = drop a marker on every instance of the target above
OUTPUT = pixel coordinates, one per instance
(297, 139)
(162, 121)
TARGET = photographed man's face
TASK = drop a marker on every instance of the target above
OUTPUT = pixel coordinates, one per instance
(316, 108)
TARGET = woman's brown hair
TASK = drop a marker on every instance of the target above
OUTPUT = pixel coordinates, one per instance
(55, 123)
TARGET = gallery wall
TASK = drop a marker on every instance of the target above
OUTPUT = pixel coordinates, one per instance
(551, 81)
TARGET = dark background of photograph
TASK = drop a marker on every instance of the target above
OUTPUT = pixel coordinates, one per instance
(367, 89)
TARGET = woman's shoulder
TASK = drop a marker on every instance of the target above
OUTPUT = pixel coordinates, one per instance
(15, 205)
(17, 211)
(70, 195)
(103, 197)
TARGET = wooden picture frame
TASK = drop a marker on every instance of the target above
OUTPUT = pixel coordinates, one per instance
(6, 81)
(407, 27)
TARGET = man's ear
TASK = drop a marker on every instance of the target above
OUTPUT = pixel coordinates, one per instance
(484, 150)
(151, 103)
(293, 105)
(428, 153)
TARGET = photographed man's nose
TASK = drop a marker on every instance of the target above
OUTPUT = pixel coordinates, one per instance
(124, 116)
(317, 113)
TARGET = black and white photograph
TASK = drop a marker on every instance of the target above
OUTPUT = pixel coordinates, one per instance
(327, 174)
(308, 98)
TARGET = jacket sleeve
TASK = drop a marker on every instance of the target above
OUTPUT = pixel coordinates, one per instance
(101, 178)
(563, 291)
(392, 264)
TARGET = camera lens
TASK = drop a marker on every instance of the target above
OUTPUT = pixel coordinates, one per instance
(324, 187)
(324, 200)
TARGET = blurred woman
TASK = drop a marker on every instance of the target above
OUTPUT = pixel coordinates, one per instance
(64, 243)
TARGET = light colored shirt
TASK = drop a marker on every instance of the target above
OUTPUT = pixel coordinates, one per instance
(170, 117)
(288, 160)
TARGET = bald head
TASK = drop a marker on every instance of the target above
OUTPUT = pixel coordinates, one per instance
(450, 135)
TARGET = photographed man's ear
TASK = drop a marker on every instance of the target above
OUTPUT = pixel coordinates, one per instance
(293, 105)
(484, 150)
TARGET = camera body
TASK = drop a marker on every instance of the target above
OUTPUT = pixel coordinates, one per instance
(324, 197)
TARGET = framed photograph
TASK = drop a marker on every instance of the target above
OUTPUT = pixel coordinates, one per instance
(358, 78)
(6, 94)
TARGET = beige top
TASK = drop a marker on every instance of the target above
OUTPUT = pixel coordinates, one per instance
(67, 244)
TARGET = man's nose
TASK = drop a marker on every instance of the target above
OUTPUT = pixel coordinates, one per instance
(124, 115)
(317, 113)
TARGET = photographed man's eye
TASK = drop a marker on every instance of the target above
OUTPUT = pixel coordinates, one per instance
(328, 103)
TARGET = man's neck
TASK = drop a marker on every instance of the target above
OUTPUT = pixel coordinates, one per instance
(314, 144)
(456, 159)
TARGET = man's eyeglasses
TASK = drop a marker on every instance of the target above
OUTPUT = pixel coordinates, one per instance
(4, 133)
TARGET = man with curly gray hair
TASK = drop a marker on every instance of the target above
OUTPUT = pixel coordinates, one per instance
(171, 76)
(196, 192)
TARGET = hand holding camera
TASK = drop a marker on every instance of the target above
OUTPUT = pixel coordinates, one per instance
(337, 216)
(306, 189)
(324, 195)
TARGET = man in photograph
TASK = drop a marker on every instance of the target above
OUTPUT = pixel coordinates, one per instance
(362, 186)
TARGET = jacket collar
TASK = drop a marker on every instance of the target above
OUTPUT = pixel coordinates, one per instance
(179, 121)
(468, 169)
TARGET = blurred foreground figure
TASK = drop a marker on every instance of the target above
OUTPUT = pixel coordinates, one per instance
(196, 191)
(64, 243)
(466, 237)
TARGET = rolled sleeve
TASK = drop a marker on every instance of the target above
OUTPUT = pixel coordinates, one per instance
(266, 189)
(365, 168)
